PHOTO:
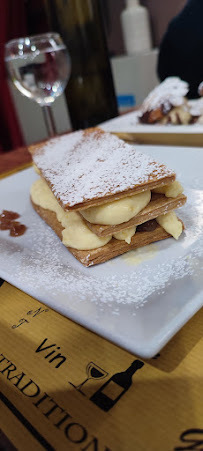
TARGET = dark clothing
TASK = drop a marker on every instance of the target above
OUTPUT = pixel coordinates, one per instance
(181, 51)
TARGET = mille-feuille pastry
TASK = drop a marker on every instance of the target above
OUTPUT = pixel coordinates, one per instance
(167, 104)
(102, 197)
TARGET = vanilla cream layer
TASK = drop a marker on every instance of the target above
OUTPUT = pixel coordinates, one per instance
(178, 115)
(119, 211)
(125, 235)
(172, 190)
(171, 224)
(75, 234)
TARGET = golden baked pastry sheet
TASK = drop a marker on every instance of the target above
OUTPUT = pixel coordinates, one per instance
(117, 247)
(152, 232)
(92, 167)
(50, 218)
(158, 205)
(131, 192)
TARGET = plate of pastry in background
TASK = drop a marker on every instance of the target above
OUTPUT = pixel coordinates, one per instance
(166, 116)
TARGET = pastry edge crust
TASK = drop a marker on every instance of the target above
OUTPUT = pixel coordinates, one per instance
(158, 205)
(112, 249)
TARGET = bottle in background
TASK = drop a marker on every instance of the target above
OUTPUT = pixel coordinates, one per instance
(90, 91)
(136, 28)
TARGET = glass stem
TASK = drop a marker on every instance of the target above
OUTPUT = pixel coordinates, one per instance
(49, 120)
(84, 382)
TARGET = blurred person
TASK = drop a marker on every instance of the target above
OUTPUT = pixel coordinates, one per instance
(181, 50)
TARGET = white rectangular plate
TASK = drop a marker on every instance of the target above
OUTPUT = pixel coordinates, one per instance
(128, 123)
(138, 300)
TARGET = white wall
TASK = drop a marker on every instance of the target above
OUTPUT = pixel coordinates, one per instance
(31, 117)
(135, 74)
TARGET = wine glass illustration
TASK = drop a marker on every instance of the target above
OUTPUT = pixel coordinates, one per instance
(39, 66)
(93, 372)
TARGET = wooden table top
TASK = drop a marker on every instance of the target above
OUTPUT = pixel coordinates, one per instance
(9, 161)
(17, 158)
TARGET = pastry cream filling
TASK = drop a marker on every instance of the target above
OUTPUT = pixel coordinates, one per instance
(125, 235)
(36, 168)
(75, 234)
(119, 211)
(172, 190)
(171, 224)
(178, 115)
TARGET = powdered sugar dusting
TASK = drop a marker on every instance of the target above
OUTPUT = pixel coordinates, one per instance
(196, 107)
(129, 304)
(83, 166)
(171, 91)
(45, 262)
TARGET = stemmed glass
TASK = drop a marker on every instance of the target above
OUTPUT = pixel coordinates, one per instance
(93, 372)
(39, 66)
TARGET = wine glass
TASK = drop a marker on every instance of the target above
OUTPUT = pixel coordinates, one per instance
(39, 66)
(93, 372)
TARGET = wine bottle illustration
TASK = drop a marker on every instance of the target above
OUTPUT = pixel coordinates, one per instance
(112, 390)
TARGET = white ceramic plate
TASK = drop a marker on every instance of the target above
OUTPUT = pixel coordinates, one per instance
(139, 300)
(128, 123)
